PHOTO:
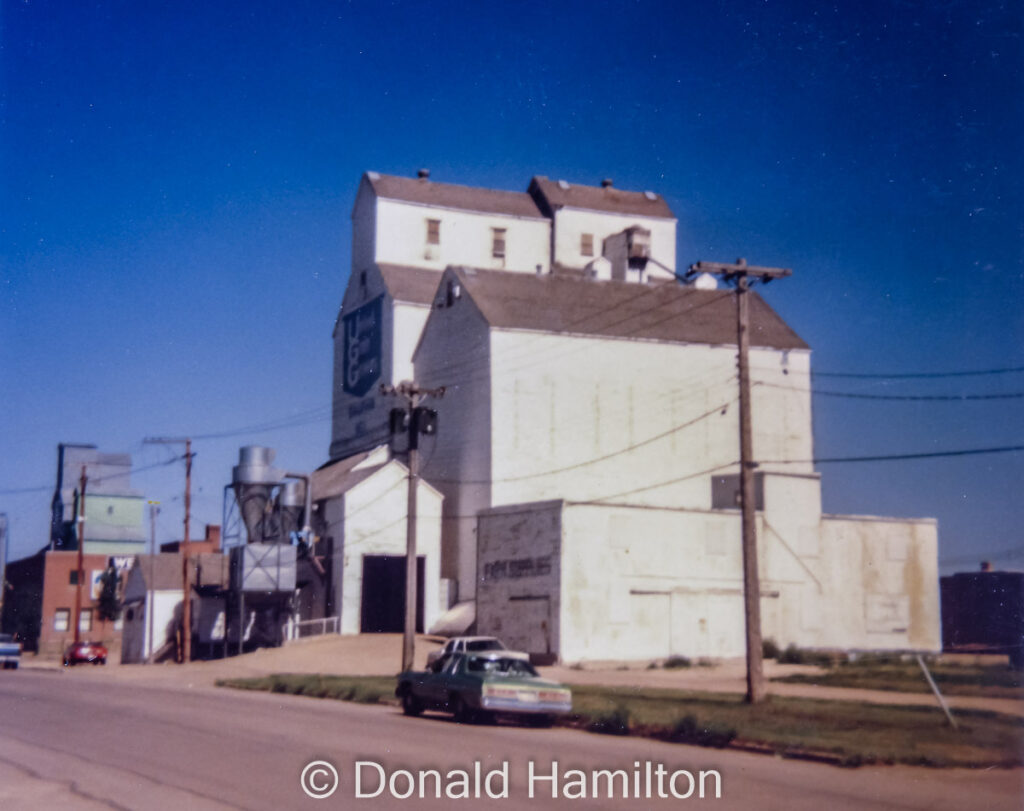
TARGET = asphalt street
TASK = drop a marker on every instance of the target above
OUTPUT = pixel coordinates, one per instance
(84, 741)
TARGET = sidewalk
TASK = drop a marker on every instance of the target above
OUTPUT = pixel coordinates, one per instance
(380, 654)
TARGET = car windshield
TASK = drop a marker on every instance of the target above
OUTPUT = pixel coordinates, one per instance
(500, 666)
(6, 638)
(484, 644)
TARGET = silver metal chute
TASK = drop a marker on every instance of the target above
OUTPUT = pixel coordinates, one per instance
(291, 507)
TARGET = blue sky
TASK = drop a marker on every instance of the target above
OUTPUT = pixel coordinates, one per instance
(176, 187)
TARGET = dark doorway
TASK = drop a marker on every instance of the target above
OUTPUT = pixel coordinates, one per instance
(383, 609)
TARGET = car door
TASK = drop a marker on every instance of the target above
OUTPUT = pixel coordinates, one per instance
(435, 686)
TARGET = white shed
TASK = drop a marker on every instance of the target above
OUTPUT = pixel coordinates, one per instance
(362, 506)
(152, 590)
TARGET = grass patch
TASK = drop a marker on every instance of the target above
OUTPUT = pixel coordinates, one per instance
(689, 730)
(891, 673)
(610, 722)
(360, 689)
(793, 655)
(850, 732)
(847, 732)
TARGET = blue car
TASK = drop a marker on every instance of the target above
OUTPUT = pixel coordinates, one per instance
(479, 686)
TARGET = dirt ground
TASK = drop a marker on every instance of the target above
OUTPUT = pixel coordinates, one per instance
(380, 654)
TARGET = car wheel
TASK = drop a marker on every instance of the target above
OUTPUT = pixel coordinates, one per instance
(410, 704)
(461, 712)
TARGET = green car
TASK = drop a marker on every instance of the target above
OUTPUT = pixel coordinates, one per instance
(479, 686)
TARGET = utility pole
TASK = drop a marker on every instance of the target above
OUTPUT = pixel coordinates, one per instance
(743, 275)
(154, 509)
(3, 561)
(80, 574)
(186, 587)
(415, 420)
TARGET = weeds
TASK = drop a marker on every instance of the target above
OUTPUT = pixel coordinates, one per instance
(612, 722)
(689, 730)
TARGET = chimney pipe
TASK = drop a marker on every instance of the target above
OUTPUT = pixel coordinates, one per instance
(423, 174)
(606, 183)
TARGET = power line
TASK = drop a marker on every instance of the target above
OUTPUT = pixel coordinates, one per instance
(1004, 554)
(721, 407)
(662, 484)
(16, 491)
(1017, 395)
(895, 457)
(603, 500)
(302, 418)
(922, 397)
(94, 480)
(919, 375)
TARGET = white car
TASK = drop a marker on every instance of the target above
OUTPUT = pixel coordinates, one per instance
(10, 652)
(474, 644)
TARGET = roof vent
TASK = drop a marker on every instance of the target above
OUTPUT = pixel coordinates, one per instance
(423, 174)
(373, 175)
(563, 185)
(650, 195)
(606, 183)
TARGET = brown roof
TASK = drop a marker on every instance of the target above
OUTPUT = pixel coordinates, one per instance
(552, 195)
(448, 195)
(339, 477)
(160, 572)
(410, 284)
(667, 311)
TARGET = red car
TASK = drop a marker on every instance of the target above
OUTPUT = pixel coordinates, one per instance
(79, 652)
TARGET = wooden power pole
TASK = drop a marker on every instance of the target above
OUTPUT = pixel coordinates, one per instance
(150, 603)
(743, 275)
(415, 420)
(80, 572)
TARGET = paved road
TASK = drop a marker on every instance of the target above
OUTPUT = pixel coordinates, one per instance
(84, 741)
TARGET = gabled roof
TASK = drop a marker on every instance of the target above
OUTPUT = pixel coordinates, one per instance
(341, 475)
(552, 195)
(413, 285)
(163, 572)
(448, 195)
(337, 478)
(332, 481)
(666, 311)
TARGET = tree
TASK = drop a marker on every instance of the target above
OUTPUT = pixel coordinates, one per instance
(109, 606)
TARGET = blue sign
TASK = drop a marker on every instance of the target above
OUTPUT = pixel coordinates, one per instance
(362, 347)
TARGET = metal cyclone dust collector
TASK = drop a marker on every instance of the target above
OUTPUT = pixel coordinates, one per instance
(263, 570)
(253, 479)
